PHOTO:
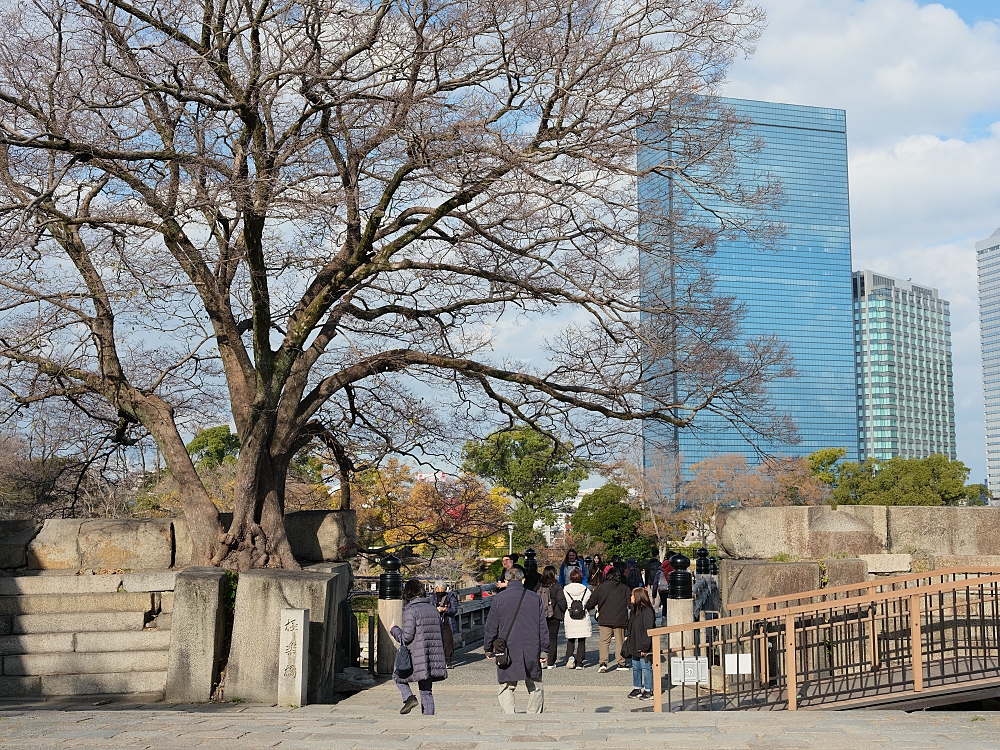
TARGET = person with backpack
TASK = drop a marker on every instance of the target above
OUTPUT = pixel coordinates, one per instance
(421, 632)
(570, 562)
(611, 599)
(633, 578)
(649, 572)
(660, 584)
(554, 606)
(577, 619)
(639, 644)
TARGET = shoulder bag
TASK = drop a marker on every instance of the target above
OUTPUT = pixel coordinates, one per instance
(500, 650)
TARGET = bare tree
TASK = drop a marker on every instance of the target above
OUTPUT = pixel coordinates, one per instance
(277, 212)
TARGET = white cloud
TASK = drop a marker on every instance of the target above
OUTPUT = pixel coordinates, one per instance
(920, 87)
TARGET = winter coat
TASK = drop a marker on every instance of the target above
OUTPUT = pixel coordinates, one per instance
(450, 615)
(611, 599)
(578, 628)
(557, 597)
(660, 579)
(638, 641)
(421, 632)
(649, 573)
(528, 636)
(566, 568)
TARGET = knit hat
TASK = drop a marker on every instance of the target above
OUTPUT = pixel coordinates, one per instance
(630, 562)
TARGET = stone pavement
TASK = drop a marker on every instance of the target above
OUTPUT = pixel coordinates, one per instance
(583, 710)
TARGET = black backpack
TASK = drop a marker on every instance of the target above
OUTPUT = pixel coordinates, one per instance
(576, 610)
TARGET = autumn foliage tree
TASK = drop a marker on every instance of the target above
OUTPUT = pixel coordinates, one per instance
(295, 215)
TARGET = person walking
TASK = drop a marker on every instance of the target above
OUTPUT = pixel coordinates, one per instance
(507, 561)
(421, 632)
(577, 619)
(649, 572)
(554, 607)
(660, 585)
(517, 622)
(639, 644)
(633, 578)
(570, 562)
(611, 599)
(447, 607)
(596, 571)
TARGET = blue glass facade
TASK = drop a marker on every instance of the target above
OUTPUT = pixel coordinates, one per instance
(800, 292)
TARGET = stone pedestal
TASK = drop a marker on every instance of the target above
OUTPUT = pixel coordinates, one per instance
(389, 611)
(680, 612)
(195, 635)
(293, 657)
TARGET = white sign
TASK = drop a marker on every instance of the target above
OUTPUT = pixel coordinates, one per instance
(738, 664)
(293, 657)
(689, 670)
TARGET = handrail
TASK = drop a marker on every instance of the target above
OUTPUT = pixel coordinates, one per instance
(875, 583)
(784, 621)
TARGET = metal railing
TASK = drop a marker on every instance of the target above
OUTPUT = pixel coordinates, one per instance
(899, 641)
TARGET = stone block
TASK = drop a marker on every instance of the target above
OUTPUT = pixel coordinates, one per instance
(93, 584)
(252, 672)
(119, 683)
(128, 640)
(14, 548)
(77, 622)
(801, 531)
(947, 530)
(293, 657)
(20, 687)
(163, 621)
(322, 535)
(38, 643)
(9, 528)
(887, 563)
(167, 602)
(118, 544)
(55, 546)
(196, 641)
(149, 581)
(840, 572)
(942, 562)
(69, 664)
(43, 604)
(743, 580)
(183, 549)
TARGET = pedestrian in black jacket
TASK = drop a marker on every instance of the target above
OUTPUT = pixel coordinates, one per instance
(611, 599)
(554, 607)
(518, 612)
(639, 644)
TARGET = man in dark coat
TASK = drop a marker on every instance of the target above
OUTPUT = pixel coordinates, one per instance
(528, 636)
(611, 599)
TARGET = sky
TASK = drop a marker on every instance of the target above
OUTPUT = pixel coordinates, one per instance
(920, 83)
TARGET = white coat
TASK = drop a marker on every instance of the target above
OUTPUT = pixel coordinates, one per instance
(577, 628)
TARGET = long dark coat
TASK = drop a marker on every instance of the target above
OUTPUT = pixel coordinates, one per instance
(527, 637)
(421, 631)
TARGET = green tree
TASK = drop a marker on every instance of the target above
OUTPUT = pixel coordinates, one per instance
(606, 517)
(935, 480)
(214, 446)
(823, 464)
(540, 474)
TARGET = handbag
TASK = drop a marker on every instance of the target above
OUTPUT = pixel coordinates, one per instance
(403, 666)
(500, 651)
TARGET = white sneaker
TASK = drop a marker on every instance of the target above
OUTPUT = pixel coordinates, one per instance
(604, 668)
(571, 662)
(550, 666)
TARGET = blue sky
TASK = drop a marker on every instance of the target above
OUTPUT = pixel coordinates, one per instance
(921, 86)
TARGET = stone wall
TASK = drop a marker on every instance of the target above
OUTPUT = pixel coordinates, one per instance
(153, 543)
(858, 530)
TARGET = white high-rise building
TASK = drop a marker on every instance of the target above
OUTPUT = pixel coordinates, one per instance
(902, 352)
(988, 262)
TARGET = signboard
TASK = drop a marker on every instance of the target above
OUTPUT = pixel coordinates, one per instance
(738, 664)
(689, 670)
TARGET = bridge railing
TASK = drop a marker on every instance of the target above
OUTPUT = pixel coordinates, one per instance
(850, 590)
(902, 640)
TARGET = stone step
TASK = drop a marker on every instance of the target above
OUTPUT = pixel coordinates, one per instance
(42, 604)
(111, 683)
(89, 642)
(24, 585)
(74, 622)
(23, 665)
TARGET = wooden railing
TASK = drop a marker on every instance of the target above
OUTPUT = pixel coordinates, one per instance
(901, 639)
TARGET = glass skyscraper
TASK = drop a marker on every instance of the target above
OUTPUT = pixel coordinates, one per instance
(988, 262)
(800, 292)
(902, 348)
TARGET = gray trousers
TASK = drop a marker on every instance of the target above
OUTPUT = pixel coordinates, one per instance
(536, 696)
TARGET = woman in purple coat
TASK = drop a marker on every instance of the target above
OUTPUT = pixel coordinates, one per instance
(421, 632)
